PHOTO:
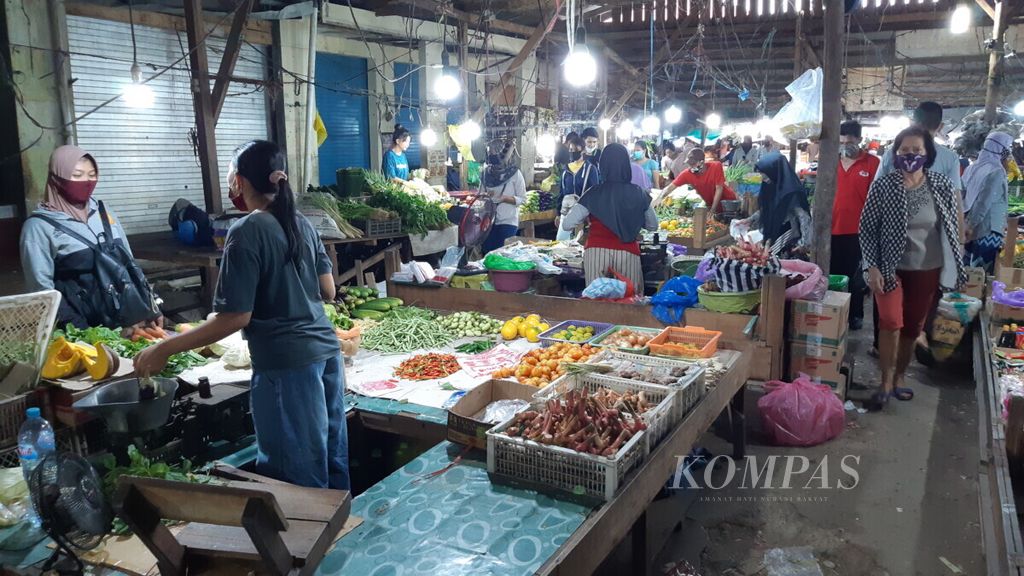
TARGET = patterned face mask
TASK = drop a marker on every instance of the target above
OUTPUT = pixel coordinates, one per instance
(910, 162)
(849, 150)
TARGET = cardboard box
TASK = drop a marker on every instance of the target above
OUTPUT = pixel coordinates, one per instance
(976, 284)
(1003, 314)
(821, 323)
(465, 424)
(1012, 277)
(821, 363)
(946, 331)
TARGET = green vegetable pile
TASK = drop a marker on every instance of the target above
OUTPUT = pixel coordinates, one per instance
(464, 324)
(532, 203)
(737, 172)
(1016, 205)
(418, 215)
(406, 335)
(476, 346)
(407, 312)
(126, 348)
(329, 204)
(141, 466)
(338, 320)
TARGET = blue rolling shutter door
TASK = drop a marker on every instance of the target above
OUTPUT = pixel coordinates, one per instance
(341, 99)
(407, 94)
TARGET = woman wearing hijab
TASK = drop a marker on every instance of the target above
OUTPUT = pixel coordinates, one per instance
(504, 184)
(274, 278)
(617, 210)
(910, 240)
(62, 239)
(986, 201)
(782, 204)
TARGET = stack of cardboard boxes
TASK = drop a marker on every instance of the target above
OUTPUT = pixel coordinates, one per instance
(816, 339)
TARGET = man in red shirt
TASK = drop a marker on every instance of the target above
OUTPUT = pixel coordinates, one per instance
(855, 173)
(706, 177)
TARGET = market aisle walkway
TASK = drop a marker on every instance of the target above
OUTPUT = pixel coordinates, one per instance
(916, 502)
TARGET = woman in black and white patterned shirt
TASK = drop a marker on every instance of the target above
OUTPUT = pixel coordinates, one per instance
(910, 235)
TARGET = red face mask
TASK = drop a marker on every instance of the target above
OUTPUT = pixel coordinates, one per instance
(239, 202)
(77, 191)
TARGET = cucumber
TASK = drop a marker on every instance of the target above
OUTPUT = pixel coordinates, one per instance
(378, 305)
(394, 302)
(362, 314)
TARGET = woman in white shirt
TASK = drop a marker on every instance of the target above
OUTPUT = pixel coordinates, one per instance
(504, 184)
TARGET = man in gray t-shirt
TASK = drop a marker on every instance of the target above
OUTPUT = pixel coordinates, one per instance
(928, 115)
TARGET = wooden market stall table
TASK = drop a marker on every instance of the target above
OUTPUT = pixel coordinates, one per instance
(528, 222)
(164, 247)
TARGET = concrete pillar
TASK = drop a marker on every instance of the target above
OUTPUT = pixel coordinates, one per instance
(294, 50)
(33, 69)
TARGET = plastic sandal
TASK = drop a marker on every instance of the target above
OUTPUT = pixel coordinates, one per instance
(903, 394)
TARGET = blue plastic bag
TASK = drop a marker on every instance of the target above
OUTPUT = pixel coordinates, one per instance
(674, 298)
(605, 288)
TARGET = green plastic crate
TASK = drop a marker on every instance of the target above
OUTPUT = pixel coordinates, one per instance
(838, 283)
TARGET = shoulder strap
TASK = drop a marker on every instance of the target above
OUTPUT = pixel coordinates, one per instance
(66, 230)
(108, 234)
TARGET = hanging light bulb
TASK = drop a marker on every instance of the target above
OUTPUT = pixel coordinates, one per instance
(1019, 108)
(447, 87)
(960, 22)
(713, 121)
(428, 137)
(650, 125)
(673, 115)
(580, 66)
(625, 130)
(605, 124)
(137, 94)
(470, 129)
(546, 145)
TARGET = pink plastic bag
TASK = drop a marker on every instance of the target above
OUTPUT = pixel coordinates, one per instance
(813, 288)
(801, 413)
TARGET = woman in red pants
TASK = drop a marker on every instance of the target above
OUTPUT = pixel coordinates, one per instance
(910, 239)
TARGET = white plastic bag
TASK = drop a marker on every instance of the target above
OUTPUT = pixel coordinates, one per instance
(801, 117)
(960, 307)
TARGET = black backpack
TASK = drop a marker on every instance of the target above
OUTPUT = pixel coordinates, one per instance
(120, 296)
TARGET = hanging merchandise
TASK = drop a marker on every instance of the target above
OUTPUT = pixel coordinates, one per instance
(801, 117)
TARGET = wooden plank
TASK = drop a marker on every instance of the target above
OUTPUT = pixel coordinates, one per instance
(327, 537)
(828, 158)
(205, 503)
(1015, 433)
(211, 540)
(202, 105)
(604, 529)
(260, 525)
(230, 57)
(257, 31)
(996, 65)
(987, 8)
(144, 521)
(298, 502)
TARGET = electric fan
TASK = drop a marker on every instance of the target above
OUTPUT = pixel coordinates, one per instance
(68, 497)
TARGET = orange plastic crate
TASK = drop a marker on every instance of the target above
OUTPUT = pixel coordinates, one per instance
(671, 340)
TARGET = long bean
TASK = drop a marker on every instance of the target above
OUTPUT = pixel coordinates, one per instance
(406, 335)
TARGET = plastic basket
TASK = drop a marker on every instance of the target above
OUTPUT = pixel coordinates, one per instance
(600, 339)
(511, 280)
(26, 323)
(671, 340)
(660, 419)
(838, 283)
(600, 328)
(545, 468)
(690, 389)
(729, 302)
(372, 228)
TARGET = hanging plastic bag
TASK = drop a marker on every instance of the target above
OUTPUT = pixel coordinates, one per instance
(960, 307)
(675, 296)
(738, 276)
(495, 261)
(800, 413)
(801, 116)
(812, 288)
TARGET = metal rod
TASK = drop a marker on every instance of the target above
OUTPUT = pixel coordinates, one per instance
(308, 142)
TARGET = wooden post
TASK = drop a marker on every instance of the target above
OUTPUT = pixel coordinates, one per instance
(1000, 19)
(230, 57)
(828, 157)
(798, 66)
(463, 39)
(202, 104)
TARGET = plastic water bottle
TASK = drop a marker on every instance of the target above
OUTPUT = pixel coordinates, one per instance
(35, 442)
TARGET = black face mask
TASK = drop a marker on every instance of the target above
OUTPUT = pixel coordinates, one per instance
(575, 155)
(746, 147)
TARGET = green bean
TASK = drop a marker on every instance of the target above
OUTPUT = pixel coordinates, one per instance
(406, 335)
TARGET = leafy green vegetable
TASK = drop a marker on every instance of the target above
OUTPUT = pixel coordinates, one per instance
(418, 215)
(126, 348)
(338, 320)
(475, 347)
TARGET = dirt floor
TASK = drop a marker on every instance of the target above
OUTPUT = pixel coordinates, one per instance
(916, 502)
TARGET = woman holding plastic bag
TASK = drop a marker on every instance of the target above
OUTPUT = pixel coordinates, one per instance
(910, 240)
(617, 210)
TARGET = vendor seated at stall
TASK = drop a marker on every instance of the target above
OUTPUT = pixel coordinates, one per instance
(274, 277)
(617, 210)
(504, 184)
(706, 177)
(62, 239)
(783, 213)
(396, 165)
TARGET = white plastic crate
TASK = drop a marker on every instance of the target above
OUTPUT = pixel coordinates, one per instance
(661, 418)
(26, 322)
(691, 389)
(543, 467)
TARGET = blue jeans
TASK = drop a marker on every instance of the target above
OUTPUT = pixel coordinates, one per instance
(499, 233)
(299, 415)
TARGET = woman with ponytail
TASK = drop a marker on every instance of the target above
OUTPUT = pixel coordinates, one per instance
(396, 165)
(274, 277)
